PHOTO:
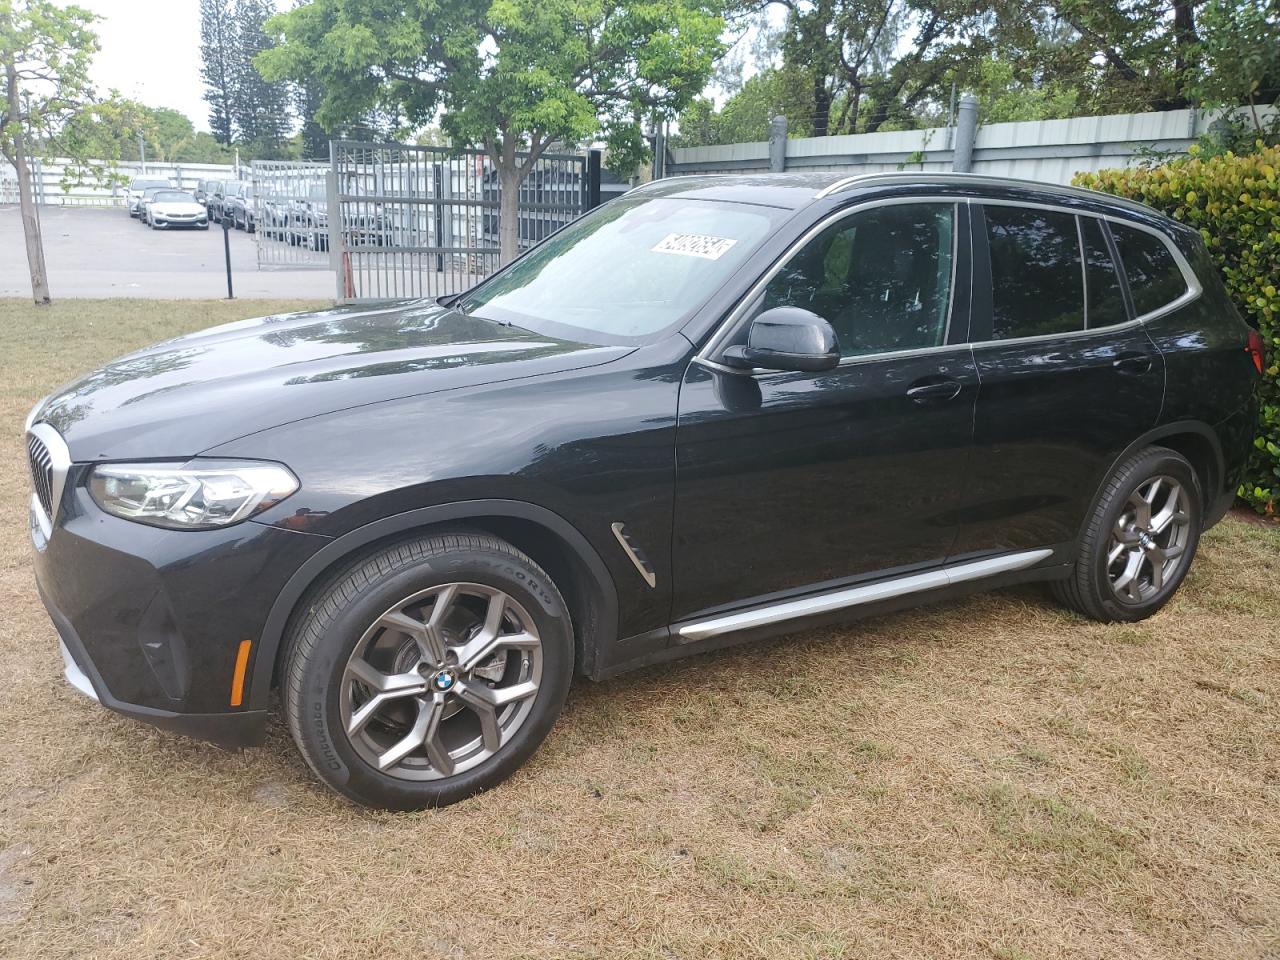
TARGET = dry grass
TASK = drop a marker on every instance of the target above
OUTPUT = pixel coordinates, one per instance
(995, 779)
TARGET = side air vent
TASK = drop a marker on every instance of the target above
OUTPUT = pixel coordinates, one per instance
(636, 554)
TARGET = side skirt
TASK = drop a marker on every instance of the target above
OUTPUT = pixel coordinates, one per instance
(842, 606)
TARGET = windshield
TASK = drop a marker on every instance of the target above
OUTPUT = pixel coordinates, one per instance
(148, 184)
(173, 196)
(627, 270)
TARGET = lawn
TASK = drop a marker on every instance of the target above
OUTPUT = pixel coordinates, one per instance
(993, 778)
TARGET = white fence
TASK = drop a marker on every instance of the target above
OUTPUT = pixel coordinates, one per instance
(47, 176)
(1051, 151)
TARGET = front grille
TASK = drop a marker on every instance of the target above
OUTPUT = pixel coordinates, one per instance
(41, 472)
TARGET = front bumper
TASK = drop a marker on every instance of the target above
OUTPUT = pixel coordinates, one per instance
(151, 620)
(163, 221)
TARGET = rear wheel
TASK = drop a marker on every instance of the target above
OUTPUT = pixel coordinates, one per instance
(1140, 541)
(428, 672)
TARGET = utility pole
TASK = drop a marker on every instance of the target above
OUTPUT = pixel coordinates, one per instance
(26, 198)
(142, 152)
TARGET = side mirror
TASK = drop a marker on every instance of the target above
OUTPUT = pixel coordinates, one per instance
(787, 338)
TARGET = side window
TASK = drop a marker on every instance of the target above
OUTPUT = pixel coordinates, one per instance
(882, 277)
(1153, 274)
(1036, 279)
(1102, 282)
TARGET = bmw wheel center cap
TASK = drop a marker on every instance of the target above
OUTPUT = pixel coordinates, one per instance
(444, 680)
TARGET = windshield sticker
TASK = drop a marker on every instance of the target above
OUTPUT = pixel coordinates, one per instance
(694, 245)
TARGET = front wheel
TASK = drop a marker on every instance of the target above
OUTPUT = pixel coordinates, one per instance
(428, 672)
(1140, 541)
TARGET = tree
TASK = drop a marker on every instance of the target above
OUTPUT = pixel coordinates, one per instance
(218, 51)
(512, 76)
(1240, 59)
(45, 54)
(746, 114)
(307, 97)
(260, 108)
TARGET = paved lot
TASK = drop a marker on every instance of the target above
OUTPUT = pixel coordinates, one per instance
(103, 253)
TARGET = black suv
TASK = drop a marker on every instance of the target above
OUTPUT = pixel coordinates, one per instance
(711, 410)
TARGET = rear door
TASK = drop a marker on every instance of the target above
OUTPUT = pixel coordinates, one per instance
(1067, 379)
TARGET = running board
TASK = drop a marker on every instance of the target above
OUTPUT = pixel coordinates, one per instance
(857, 596)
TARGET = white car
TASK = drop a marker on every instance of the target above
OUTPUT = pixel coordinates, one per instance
(138, 186)
(175, 208)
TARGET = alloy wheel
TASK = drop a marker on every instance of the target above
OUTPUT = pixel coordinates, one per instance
(441, 681)
(1148, 543)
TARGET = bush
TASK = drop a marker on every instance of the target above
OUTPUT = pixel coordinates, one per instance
(1234, 201)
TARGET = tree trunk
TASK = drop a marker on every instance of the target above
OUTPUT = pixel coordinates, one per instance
(508, 212)
(821, 107)
(26, 198)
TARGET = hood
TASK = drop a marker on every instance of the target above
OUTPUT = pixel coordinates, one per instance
(184, 396)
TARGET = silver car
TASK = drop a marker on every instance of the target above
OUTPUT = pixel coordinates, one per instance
(137, 187)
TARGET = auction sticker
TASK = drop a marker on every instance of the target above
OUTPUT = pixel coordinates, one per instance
(694, 245)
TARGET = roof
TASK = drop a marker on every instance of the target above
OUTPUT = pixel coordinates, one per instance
(795, 190)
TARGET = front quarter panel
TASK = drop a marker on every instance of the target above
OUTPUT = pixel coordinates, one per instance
(594, 446)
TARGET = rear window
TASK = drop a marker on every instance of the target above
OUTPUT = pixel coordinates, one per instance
(1102, 281)
(1153, 274)
(1036, 285)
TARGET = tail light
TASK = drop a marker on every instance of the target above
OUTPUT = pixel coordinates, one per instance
(1256, 349)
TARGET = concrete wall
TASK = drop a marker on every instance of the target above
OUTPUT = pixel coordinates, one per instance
(1050, 151)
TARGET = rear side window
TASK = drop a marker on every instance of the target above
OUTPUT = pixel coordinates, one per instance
(1036, 278)
(1102, 282)
(1154, 278)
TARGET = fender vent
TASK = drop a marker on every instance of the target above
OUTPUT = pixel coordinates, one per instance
(636, 554)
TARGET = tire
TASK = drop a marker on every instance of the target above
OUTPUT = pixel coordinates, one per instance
(1133, 559)
(340, 640)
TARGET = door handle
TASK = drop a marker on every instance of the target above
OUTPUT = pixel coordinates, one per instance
(1132, 363)
(925, 391)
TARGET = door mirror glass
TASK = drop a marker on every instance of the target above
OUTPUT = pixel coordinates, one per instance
(787, 338)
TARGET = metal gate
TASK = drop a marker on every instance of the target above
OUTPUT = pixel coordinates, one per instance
(423, 221)
(290, 199)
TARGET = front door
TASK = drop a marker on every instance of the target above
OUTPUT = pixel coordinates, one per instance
(791, 482)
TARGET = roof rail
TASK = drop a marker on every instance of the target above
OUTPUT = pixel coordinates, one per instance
(840, 185)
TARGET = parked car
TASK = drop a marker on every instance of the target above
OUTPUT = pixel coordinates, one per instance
(310, 222)
(309, 219)
(175, 208)
(239, 206)
(137, 187)
(219, 200)
(276, 213)
(205, 189)
(420, 521)
(145, 200)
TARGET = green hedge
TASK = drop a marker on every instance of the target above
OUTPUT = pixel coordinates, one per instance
(1234, 201)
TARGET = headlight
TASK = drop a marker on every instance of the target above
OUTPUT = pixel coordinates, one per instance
(197, 495)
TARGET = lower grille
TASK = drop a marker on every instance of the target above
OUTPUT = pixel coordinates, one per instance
(41, 472)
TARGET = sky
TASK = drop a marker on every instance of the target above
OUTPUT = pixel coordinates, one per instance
(151, 53)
